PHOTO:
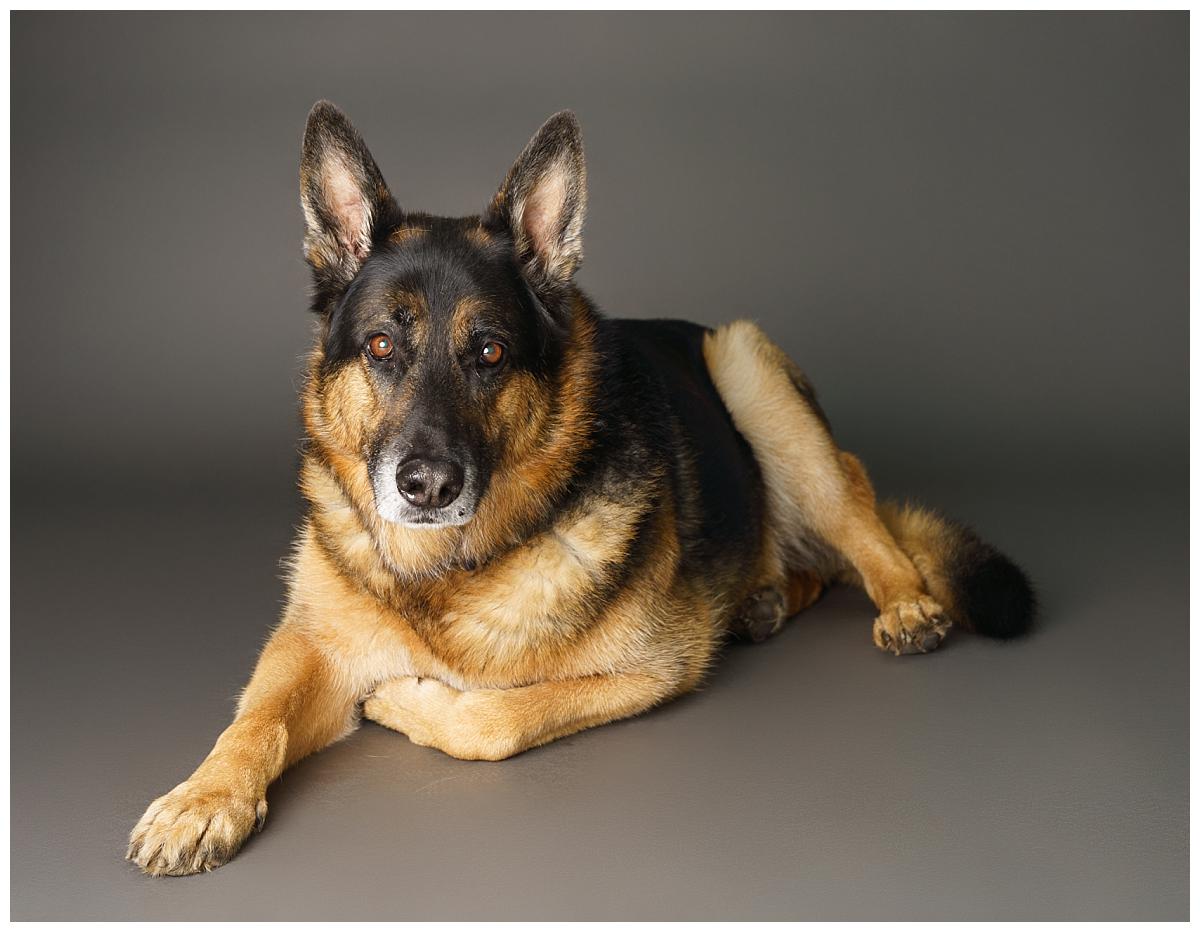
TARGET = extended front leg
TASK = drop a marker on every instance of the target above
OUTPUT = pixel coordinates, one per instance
(492, 724)
(292, 706)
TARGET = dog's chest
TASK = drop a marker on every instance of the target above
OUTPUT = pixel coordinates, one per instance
(520, 617)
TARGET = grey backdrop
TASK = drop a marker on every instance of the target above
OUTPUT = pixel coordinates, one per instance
(971, 231)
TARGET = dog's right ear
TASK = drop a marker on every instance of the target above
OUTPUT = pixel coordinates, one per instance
(345, 199)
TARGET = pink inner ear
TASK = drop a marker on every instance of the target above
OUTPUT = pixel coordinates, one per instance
(350, 212)
(543, 210)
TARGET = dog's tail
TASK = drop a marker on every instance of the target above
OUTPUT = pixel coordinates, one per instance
(981, 589)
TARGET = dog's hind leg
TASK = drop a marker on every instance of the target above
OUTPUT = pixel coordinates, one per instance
(821, 507)
(919, 568)
(763, 612)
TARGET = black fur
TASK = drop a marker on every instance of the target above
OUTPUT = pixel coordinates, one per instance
(716, 477)
(993, 596)
(443, 266)
(660, 425)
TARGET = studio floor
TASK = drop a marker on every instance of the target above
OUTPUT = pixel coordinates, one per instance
(814, 777)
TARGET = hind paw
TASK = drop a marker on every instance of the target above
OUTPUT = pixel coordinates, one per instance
(761, 615)
(912, 627)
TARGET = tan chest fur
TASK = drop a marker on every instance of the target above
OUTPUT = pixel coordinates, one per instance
(560, 604)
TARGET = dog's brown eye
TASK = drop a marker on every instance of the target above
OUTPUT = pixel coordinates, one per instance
(380, 346)
(491, 354)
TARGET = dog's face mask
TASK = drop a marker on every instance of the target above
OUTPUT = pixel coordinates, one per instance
(440, 336)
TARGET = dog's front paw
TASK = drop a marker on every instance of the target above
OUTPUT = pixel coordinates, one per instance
(420, 707)
(913, 627)
(193, 828)
(465, 725)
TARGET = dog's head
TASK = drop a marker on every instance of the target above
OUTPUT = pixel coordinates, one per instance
(439, 336)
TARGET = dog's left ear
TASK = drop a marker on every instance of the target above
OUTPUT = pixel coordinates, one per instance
(542, 203)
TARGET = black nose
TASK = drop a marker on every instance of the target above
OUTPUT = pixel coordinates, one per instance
(429, 483)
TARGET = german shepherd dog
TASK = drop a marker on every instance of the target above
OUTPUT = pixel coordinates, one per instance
(526, 519)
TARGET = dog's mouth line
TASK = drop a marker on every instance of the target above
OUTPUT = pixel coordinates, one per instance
(429, 522)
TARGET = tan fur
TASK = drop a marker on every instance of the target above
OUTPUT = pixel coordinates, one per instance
(822, 511)
(803, 589)
(537, 642)
(479, 236)
(403, 235)
(931, 544)
(462, 320)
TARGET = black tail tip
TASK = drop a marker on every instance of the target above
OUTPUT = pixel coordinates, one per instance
(995, 595)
